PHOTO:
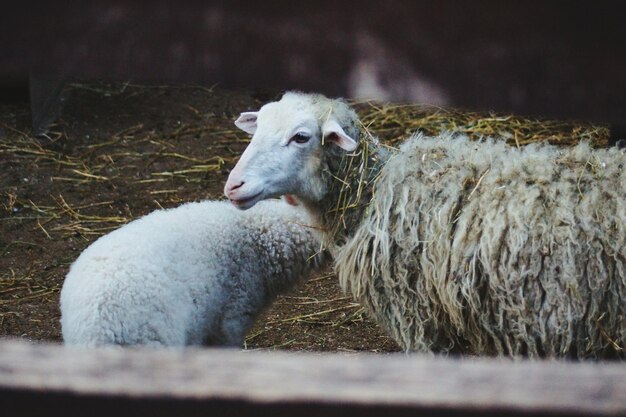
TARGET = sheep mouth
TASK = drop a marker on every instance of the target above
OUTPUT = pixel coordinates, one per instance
(246, 203)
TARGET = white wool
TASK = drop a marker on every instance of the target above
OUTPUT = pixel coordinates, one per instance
(197, 274)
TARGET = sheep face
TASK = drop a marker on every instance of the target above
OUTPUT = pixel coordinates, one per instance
(285, 155)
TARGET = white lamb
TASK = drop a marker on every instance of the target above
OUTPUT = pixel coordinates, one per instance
(454, 245)
(199, 274)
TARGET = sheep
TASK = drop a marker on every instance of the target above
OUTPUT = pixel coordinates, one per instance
(453, 245)
(198, 274)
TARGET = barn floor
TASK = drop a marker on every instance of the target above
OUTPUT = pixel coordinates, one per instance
(119, 151)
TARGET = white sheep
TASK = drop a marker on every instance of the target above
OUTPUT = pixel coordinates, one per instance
(198, 274)
(453, 245)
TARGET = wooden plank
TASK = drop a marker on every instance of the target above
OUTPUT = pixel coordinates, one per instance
(45, 100)
(36, 378)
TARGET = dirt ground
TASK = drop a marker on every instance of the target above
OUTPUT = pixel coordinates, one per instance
(119, 151)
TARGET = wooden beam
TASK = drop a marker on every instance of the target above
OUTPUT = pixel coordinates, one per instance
(35, 379)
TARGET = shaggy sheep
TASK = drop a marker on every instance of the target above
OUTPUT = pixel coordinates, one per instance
(197, 274)
(453, 245)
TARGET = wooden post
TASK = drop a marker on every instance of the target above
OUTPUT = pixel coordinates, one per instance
(45, 379)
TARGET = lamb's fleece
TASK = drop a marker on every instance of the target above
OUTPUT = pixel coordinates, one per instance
(484, 248)
(197, 274)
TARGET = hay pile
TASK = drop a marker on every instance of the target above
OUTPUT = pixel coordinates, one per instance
(393, 123)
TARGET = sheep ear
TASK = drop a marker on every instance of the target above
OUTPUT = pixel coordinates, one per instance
(247, 121)
(334, 133)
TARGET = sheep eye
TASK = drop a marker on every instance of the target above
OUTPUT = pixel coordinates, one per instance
(300, 138)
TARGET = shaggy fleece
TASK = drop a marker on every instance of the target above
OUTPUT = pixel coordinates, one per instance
(478, 247)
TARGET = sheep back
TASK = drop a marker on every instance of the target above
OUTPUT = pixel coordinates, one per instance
(477, 247)
(195, 274)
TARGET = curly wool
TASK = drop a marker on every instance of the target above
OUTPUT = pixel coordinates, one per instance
(478, 247)
(197, 274)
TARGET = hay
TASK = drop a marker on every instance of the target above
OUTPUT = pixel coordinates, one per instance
(393, 123)
(16, 288)
(356, 174)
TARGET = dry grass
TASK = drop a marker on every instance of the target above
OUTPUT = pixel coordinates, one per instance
(15, 288)
(393, 123)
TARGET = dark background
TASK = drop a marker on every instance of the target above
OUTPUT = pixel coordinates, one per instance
(547, 58)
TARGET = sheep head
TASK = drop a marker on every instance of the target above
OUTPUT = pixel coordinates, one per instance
(292, 140)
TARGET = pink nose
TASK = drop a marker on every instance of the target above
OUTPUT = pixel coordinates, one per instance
(230, 187)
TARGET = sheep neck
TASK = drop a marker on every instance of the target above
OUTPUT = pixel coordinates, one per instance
(350, 178)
